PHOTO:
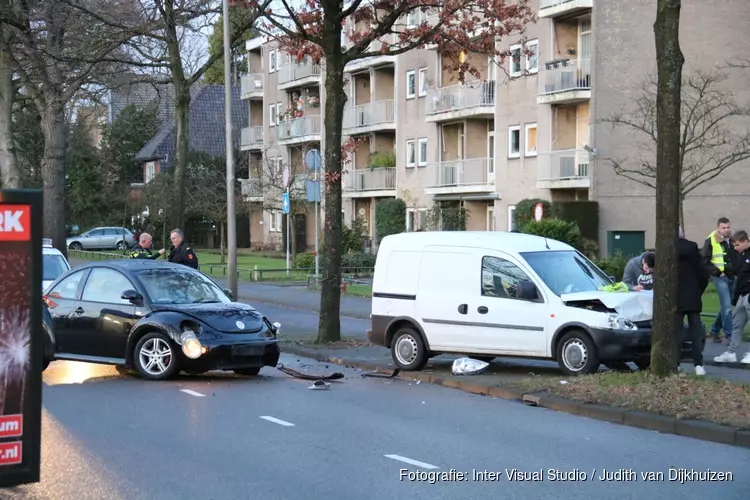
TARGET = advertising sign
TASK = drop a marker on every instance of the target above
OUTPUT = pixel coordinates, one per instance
(21, 336)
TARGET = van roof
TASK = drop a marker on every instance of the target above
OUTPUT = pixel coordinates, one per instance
(502, 240)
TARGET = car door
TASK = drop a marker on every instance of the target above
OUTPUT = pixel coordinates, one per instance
(105, 319)
(90, 240)
(506, 323)
(62, 302)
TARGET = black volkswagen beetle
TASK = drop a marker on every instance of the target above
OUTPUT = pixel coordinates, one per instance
(157, 317)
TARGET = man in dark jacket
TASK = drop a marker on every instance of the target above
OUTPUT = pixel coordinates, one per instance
(692, 280)
(179, 253)
(143, 249)
(740, 298)
(718, 256)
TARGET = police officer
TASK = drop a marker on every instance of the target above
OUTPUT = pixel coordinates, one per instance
(143, 249)
(179, 253)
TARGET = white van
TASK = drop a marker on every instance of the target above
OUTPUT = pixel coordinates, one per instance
(489, 294)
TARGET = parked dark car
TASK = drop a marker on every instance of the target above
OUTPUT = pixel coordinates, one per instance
(156, 317)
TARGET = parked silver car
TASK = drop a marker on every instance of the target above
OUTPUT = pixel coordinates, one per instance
(103, 238)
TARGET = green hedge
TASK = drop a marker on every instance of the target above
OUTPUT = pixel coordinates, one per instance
(525, 211)
(555, 229)
(390, 218)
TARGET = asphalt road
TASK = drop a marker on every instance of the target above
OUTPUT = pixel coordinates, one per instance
(117, 437)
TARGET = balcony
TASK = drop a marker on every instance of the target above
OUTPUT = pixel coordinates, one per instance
(559, 8)
(471, 175)
(252, 189)
(370, 181)
(567, 168)
(369, 117)
(565, 82)
(303, 129)
(251, 138)
(375, 61)
(251, 86)
(298, 75)
(475, 100)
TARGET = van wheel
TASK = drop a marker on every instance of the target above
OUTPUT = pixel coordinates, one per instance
(408, 350)
(576, 354)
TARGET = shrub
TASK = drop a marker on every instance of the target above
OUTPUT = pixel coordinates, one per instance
(555, 229)
(304, 261)
(353, 237)
(525, 210)
(357, 260)
(390, 217)
(614, 266)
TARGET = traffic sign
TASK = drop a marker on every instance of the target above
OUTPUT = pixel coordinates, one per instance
(285, 203)
(538, 211)
(313, 160)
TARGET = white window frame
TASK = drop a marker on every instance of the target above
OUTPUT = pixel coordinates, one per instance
(412, 18)
(422, 80)
(491, 226)
(513, 49)
(528, 127)
(275, 222)
(278, 110)
(411, 144)
(272, 61)
(411, 74)
(527, 59)
(272, 115)
(511, 216)
(420, 214)
(150, 172)
(511, 129)
(421, 161)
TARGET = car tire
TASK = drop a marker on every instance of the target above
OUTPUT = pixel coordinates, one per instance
(121, 245)
(249, 372)
(75, 246)
(576, 354)
(162, 349)
(408, 350)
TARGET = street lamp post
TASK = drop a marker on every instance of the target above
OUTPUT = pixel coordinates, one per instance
(231, 210)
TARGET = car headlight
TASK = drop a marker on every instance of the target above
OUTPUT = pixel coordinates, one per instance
(619, 323)
(191, 346)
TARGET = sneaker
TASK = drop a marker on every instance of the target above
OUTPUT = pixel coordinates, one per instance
(699, 370)
(746, 359)
(727, 357)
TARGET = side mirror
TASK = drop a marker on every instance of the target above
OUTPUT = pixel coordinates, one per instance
(527, 290)
(132, 296)
(229, 293)
(276, 327)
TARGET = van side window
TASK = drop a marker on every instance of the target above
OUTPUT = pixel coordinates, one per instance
(500, 278)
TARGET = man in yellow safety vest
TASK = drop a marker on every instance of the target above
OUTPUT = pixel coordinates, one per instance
(718, 256)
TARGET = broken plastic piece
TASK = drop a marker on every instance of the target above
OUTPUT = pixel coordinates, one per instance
(319, 385)
(304, 376)
(468, 366)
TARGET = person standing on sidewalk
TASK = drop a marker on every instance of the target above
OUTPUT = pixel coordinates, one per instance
(718, 256)
(692, 280)
(740, 299)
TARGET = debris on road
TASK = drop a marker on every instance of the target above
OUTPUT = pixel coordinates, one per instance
(381, 375)
(319, 385)
(468, 366)
(304, 376)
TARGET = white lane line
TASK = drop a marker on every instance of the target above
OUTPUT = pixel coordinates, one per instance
(412, 462)
(278, 421)
(193, 393)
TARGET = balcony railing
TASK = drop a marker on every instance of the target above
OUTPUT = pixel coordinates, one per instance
(299, 127)
(251, 188)
(560, 7)
(456, 173)
(564, 164)
(294, 71)
(366, 179)
(457, 97)
(251, 83)
(251, 136)
(563, 76)
(366, 115)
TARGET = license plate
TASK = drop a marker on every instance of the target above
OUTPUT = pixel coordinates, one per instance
(247, 350)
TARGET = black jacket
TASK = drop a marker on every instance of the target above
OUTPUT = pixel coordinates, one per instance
(143, 253)
(183, 254)
(692, 277)
(729, 258)
(742, 282)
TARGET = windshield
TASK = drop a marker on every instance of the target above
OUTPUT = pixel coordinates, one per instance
(53, 266)
(177, 286)
(566, 271)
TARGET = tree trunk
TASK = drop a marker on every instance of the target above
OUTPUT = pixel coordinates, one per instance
(182, 121)
(9, 174)
(669, 59)
(53, 173)
(682, 211)
(329, 326)
(222, 236)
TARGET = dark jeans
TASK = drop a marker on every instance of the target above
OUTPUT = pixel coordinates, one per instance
(695, 334)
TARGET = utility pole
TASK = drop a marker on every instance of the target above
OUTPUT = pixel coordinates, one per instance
(231, 209)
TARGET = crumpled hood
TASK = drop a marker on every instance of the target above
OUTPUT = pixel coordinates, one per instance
(635, 306)
(230, 318)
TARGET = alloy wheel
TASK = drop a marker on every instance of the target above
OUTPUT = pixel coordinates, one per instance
(155, 356)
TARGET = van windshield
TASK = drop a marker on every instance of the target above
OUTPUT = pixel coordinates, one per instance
(566, 271)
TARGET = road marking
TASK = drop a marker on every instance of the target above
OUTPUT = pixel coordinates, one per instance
(412, 462)
(193, 393)
(277, 421)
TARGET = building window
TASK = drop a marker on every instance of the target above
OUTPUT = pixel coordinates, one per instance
(411, 18)
(514, 142)
(511, 217)
(416, 219)
(515, 60)
(490, 218)
(411, 84)
(423, 151)
(150, 172)
(411, 153)
(272, 115)
(272, 61)
(422, 82)
(278, 112)
(532, 56)
(275, 221)
(530, 134)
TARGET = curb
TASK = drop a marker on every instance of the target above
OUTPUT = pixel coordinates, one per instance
(697, 429)
(736, 366)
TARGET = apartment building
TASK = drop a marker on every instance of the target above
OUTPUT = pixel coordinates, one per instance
(529, 128)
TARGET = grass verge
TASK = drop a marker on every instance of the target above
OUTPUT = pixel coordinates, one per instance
(345, 343)
(681, 395)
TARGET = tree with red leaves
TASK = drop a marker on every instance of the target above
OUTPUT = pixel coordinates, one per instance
(313, 31)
